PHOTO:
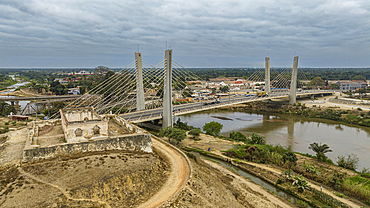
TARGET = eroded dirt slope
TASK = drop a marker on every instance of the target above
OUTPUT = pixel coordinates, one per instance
(104, 180)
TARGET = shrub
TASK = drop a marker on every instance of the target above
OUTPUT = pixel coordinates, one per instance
(173, 133)
(195, 132)
(337, 179)
(300, 183)
(6, 123)
(257, 139)
(212, 128)
(238, 136)
(290, 158)
(351, 162)
(302, 204)
(182, 125)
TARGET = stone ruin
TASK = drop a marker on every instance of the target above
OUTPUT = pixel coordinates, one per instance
(82, 130)
(83, 124)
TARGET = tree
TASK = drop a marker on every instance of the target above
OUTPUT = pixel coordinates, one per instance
(5, 109)
(55, 109)
(173, 133)
(82, 90)
(224, 89)
(58, 88)
(359, 78)
(195, 132)
(320, 150)
(212, 128)
(316, 82)
(101, 70)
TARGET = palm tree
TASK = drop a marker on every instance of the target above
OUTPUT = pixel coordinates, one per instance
(320, 150)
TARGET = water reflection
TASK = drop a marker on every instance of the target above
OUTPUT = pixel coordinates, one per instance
(293, 131)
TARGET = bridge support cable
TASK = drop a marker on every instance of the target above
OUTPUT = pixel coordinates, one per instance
(282, 81)
(267, 75)
(258, 75)
(90, 96)
(123, 93)
(95, 96)
(127, 105)
(167, 96)
(293, 85)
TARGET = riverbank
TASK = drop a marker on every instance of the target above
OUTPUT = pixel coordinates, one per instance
(355, 116)
(272, 173)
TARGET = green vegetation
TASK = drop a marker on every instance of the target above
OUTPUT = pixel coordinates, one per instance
(326, 199)
(238, 136)
(212, 128)
(351, 162)
(320, 150)
(5, 109)
(258, 139)
(55, 109)
(302, 204)
(266, 154)
(173, 133)
(300, 183)
(195, 132)
(182, 125)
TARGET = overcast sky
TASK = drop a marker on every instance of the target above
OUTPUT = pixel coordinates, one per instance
(88, 33)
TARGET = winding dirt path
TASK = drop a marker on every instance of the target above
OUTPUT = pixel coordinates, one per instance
(64, 192)
(179, 174)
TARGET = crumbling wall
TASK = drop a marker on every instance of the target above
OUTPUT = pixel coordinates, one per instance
(131, 142)
(87, 130)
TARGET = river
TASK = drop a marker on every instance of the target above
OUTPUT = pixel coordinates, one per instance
(12, 89)
(292, 131)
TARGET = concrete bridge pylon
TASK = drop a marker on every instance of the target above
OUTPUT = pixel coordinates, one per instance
(140, 101)
(167, 94)
(267, 76)
(293, 84)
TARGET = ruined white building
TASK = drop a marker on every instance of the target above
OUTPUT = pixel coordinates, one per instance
(83, 124)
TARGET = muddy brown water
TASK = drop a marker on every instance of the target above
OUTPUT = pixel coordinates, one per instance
(293, 131)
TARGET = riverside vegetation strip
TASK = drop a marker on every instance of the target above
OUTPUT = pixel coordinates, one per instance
(347, 183)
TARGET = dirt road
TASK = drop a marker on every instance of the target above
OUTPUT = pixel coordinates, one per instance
(180, 172)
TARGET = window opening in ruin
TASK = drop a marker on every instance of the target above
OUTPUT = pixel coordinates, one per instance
(86, 119)
(96, 130)
(78, 132)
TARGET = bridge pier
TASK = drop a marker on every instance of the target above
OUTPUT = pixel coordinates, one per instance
(140, 100)
(167, 94)
(267, 76)
(293, 84)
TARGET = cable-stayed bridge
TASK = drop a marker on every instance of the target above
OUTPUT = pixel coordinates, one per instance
(142, 92)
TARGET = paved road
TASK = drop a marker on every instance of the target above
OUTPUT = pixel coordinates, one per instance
(39, 97)
(153, 114)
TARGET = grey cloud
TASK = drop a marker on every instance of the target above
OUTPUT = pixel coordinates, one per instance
(60, 30)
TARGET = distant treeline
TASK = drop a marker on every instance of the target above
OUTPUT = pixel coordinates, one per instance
(206, 73)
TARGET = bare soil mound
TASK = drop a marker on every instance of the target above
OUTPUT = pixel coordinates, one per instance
(115, 179)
